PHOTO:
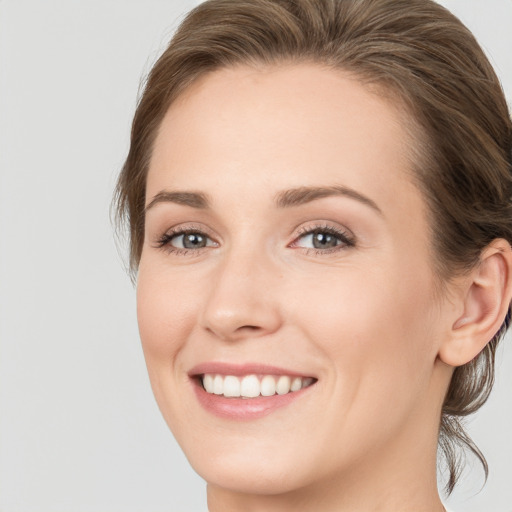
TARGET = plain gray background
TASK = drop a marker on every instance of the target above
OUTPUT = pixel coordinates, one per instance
(79, 429)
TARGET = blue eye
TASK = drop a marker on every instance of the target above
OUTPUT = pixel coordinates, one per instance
(324, 239)
(188, 240)
(321, 240)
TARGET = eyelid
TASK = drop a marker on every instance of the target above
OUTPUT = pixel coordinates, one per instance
(163, 240)
(345, 235)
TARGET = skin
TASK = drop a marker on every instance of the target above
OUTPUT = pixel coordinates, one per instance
(363, 318)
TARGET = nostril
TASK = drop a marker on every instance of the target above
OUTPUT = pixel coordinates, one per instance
(248, 328)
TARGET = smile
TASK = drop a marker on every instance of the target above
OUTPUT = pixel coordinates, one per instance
(246, 392)
(252, 386)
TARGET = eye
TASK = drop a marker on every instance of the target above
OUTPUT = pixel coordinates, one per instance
(324, 239)
(185, 240)
(320, 240)
(189, 241)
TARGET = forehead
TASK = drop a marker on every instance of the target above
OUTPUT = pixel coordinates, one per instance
(284, 126)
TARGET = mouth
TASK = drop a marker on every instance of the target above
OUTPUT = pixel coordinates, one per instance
(247, 392)
(253, 386)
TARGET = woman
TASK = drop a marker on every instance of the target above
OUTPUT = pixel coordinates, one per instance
(318, 195)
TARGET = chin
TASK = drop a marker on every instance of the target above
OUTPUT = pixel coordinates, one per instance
(260, 477)
(249, 466)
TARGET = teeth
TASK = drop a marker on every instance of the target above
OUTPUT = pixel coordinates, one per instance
(283, 385)
(296, 384)
(231, 386)
(307, 382)
(252, 386)
(268, 386)
(218, 385)
(208, 383)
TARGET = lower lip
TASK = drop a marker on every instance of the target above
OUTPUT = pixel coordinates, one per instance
(245, 409)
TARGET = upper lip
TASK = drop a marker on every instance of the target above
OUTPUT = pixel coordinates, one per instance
(218, 367)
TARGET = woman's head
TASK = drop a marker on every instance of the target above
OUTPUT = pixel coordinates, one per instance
(435, 90)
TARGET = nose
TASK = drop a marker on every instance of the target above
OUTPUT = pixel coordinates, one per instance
(241, 302)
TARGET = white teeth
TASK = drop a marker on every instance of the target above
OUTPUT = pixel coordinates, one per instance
(218, 385)
(252, 386)
(208, 383)
(268, 386)
(283, 385)
(231, 386)
(296, 384)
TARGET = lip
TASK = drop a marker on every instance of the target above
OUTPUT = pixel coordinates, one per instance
(244, 409)
(242, 369)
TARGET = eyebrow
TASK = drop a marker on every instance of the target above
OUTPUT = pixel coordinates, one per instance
(303, 195)
(193, 199)
(284, 199)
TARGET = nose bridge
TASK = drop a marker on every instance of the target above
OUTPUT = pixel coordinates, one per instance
(240, 303)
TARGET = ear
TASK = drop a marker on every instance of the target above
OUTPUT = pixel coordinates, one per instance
(485, 298)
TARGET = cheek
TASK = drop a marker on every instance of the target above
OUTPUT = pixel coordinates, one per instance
(373, 324)
(165, 314)
(373, 328)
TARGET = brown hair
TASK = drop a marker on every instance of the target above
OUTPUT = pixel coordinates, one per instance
(417, 51)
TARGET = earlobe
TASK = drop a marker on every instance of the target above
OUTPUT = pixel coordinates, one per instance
(487, 294)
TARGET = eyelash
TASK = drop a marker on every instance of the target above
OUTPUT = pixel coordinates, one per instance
(164, 242)
(345, 238)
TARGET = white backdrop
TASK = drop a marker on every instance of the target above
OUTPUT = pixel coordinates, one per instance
(79, 429)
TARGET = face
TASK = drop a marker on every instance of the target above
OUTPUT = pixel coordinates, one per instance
(287, 259)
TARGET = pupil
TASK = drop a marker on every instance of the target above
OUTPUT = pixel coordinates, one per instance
(324, 240)
(193, 240)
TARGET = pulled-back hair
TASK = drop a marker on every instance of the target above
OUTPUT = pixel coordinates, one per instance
(413, 50)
